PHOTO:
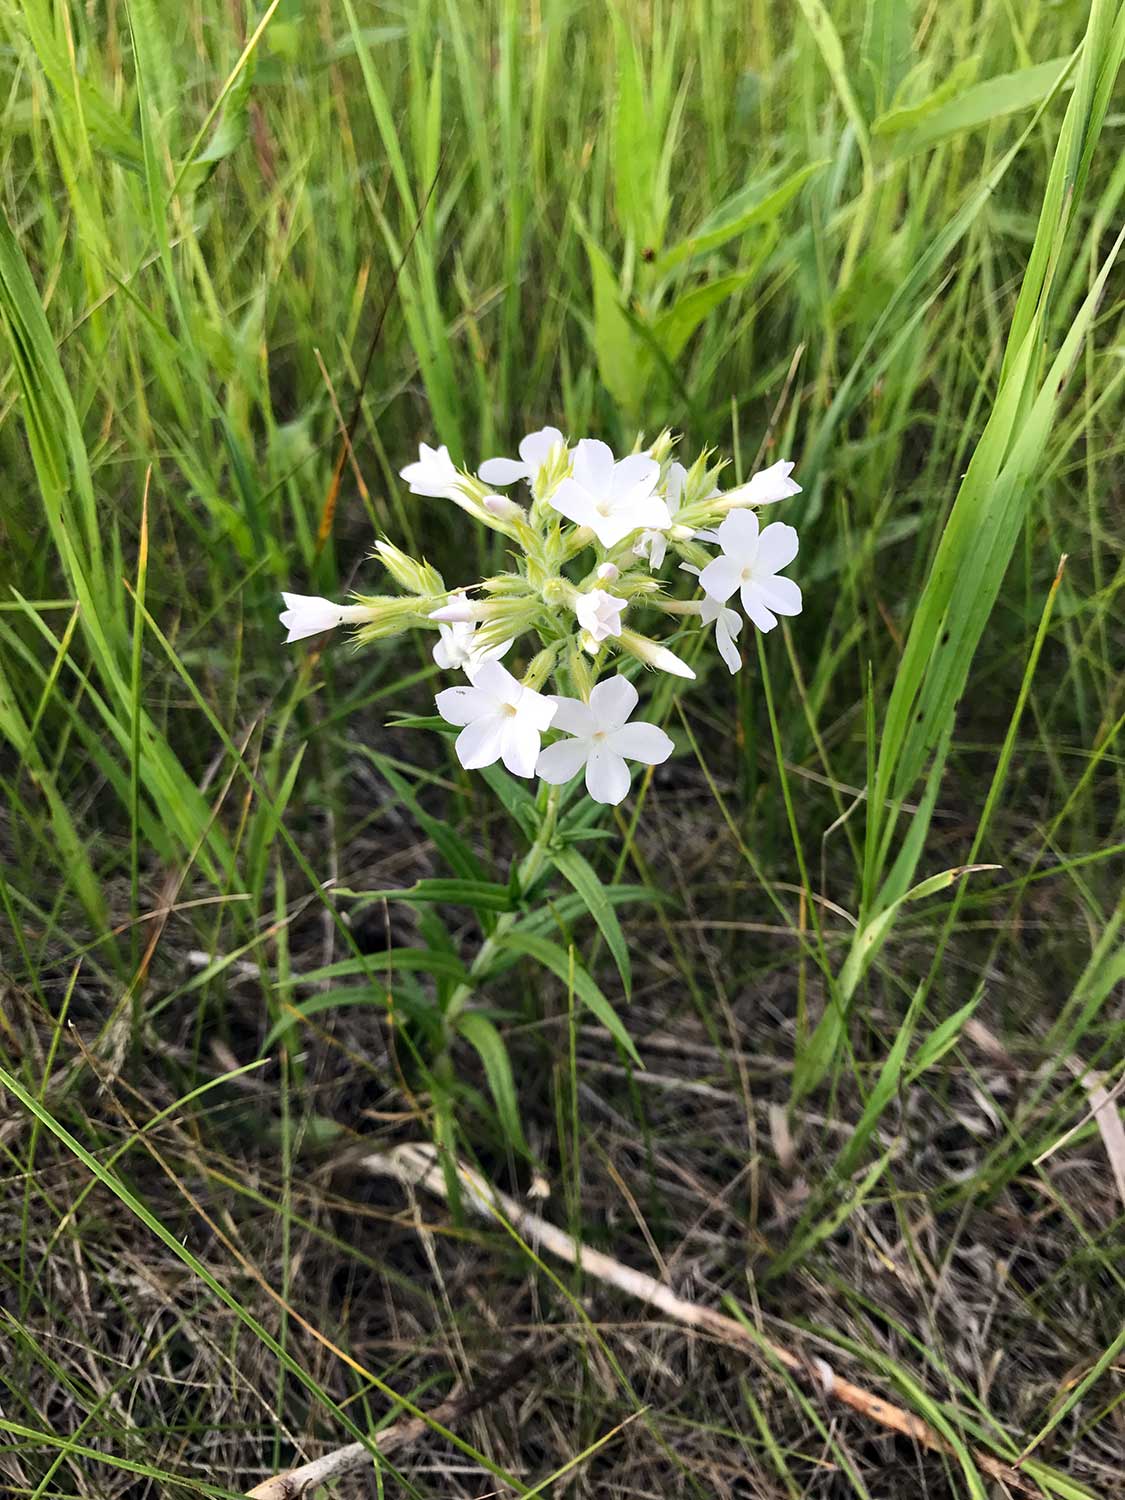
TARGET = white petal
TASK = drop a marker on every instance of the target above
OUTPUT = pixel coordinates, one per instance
(443, 655)
(755, 607)
(593, 465)
(727, 648)
(674, 486)
(459, 611)
(433, 474)
(738, 535)
(720, 577)
(607, 777)
(559, 762)
(308, 614)
(770, 485)
(781, 595)
(657, 551)
(575, 503)
(536, 709)
(613, 528)
(497, 682)
(668, 661)
(502, 470)
(644, 742)
(463, 705)
(481, 742)
(520, 747)
(644, 508)
(536, 447)
(636, 470)
(574, 716)
(777, 547)
(611, 702)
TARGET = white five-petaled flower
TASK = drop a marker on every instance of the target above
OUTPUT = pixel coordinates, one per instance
(499, 720)
(751, 563)
(601, 739)
(456, 648)
(727, 623)
(308, 614)
(434, 474)
(654, 544)
(764, 488)
(599, 613)
(613, 498)
(534, 452)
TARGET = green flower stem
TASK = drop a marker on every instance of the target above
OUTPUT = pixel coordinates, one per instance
(530, 868)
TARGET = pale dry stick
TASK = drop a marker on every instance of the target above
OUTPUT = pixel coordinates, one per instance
(292, 1484)
(417, 1165)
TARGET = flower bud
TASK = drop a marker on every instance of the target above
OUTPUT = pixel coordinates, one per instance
(540, 667)
(458, 610)
(653, 655)
(382, 617)
(662, 445)
(503, 508)
(416, 577)
(608, 573)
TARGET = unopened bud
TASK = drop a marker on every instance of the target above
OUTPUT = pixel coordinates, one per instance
(608, 573)
(459, 610)
(653, 655)
(503, 508)
(416, 577)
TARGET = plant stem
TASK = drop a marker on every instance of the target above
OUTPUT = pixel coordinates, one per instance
(530, 867)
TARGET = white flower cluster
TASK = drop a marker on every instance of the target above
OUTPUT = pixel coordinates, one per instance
(630, 513)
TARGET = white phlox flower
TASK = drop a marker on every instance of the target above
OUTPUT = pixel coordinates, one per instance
(751, 563)
(308, 614)
(599, 613)
(499, 719)
(435, 474)
(534, 452)
(652, 544)
(613, 499)
(727, 623)
(766, 487)
(456, 648)
(601, 739)
(582, 580)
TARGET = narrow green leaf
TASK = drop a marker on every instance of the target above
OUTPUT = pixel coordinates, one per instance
(583, 878)
(673, 327)
(483, 1036)
(570, 971)
(756, 205)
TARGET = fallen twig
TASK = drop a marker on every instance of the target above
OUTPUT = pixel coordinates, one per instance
(292, 1484)
(418, 1166)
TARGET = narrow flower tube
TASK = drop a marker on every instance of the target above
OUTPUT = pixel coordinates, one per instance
(653, 655)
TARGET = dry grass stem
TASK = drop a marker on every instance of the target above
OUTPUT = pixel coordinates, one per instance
(417, 1165)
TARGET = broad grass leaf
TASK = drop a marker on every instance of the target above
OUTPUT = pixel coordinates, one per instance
(924, 125)
(624, 364)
